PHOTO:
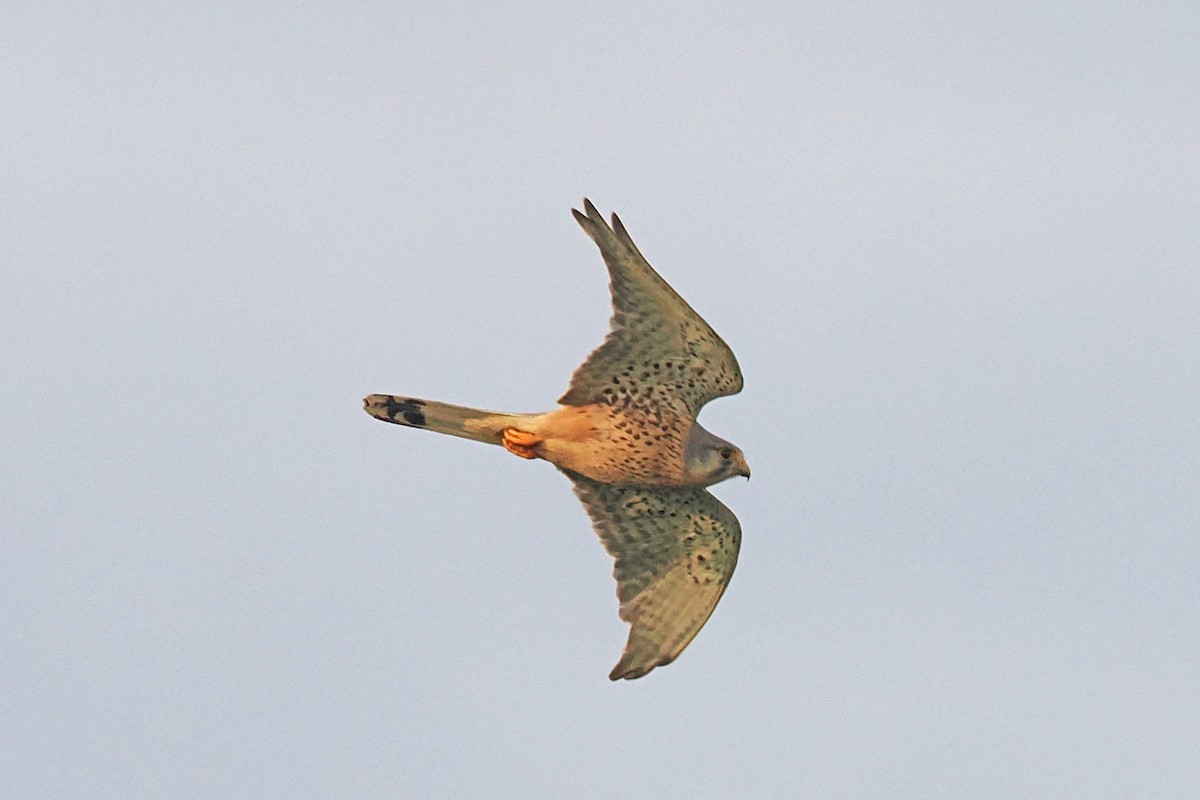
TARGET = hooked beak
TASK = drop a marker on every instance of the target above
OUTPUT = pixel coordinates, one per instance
(745, 469)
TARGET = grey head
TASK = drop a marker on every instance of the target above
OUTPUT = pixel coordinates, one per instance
(709, 459)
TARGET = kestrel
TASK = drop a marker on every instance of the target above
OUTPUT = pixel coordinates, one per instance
(626, 435)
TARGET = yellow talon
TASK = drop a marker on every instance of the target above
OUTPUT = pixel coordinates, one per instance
(520, 443)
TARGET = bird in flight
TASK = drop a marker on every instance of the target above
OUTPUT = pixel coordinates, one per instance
(626, 435)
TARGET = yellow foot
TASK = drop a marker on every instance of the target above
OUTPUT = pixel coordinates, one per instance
(520, 443)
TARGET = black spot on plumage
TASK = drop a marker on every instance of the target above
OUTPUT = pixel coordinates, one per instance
(408, 409)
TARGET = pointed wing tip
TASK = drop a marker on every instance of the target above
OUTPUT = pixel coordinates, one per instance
(619, 228)
(589, 215)
(589, 219)
(628, 670)
(589, 211)
(623, 672)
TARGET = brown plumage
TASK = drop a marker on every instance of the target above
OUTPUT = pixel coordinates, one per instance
(626, 435)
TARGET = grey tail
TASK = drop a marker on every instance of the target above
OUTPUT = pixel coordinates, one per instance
(469, 423)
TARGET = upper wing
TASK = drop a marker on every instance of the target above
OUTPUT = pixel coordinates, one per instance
(658, 351)
(675, 550)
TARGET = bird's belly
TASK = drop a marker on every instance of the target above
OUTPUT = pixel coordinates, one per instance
(613, 445)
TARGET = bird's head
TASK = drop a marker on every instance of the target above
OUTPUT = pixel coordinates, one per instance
(710, 459)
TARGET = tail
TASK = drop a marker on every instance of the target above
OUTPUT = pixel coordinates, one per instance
(469, 423)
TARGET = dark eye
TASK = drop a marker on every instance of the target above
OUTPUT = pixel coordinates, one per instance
(726, 452)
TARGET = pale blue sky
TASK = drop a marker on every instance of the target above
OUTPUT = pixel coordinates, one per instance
(956, 249)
